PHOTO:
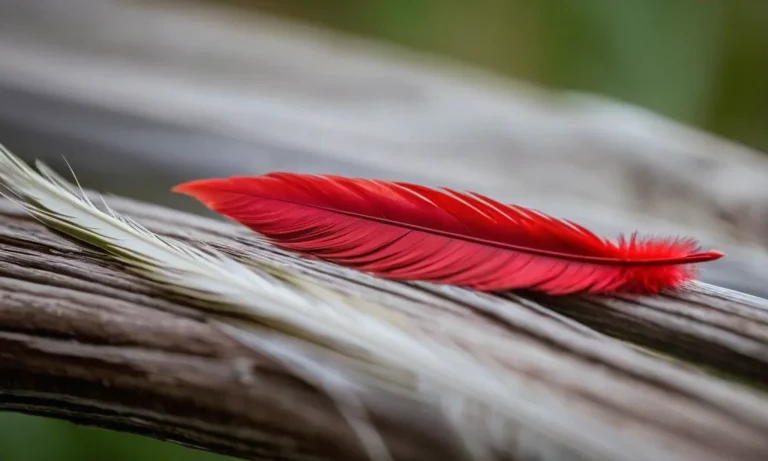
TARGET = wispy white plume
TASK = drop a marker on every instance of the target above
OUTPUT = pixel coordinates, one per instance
(480, 399)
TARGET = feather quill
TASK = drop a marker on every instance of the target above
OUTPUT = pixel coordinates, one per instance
(404, 231)
(359, 347)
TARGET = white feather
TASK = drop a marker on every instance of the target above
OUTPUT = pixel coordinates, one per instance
(479, 398)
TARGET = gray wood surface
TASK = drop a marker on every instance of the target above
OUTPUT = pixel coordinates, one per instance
(83, 340)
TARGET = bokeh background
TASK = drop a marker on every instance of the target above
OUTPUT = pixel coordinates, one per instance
(702, 62)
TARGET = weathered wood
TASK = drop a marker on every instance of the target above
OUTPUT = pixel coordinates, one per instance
(704, 324)
(83, 340)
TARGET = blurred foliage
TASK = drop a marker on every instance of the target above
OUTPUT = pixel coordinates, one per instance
(28, 438)
(703, 62)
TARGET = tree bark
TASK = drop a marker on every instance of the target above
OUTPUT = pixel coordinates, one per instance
(81, 339)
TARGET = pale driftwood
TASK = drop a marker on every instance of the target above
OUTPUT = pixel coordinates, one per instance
(250, 94)
(82, 340)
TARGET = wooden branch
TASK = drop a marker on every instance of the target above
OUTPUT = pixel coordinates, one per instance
(82, 340)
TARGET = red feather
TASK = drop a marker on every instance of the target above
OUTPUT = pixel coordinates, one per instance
(409, 232)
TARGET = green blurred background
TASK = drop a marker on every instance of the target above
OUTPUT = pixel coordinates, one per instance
(703, 62)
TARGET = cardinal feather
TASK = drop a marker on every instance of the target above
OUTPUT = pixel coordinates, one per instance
(404, 231)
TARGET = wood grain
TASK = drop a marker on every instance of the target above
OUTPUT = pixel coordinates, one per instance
(83, 340)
